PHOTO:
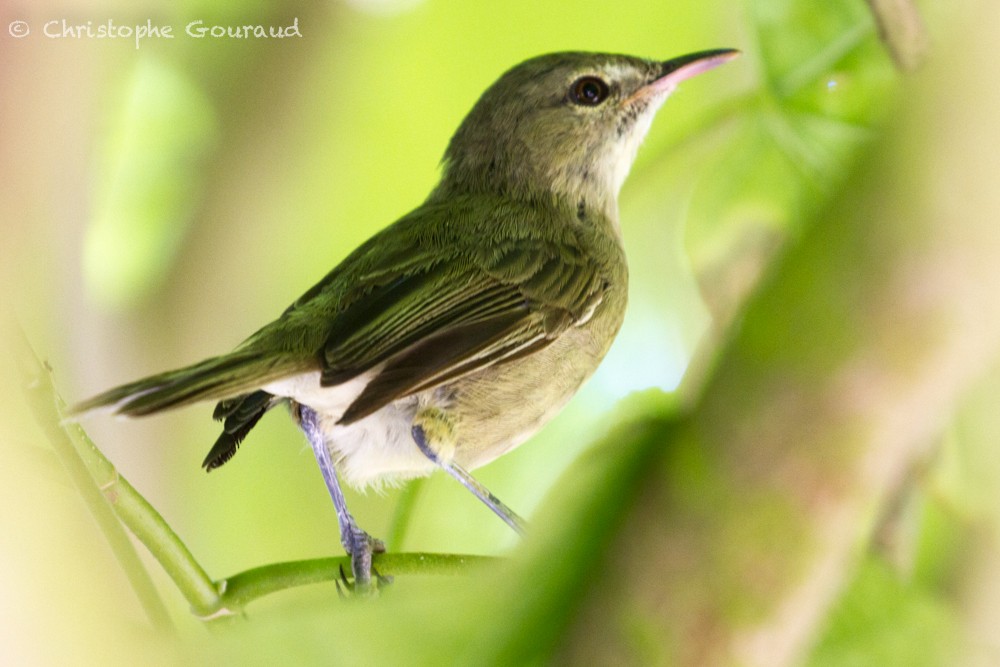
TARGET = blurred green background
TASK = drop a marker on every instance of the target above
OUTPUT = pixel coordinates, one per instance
(163, 201)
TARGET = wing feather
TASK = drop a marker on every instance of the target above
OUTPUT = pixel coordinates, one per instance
(428, 305)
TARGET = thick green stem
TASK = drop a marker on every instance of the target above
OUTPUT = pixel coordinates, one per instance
(149, 527)
(47, 408)
(249, 585)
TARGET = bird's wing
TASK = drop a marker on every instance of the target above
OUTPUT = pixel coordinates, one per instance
(449, 307)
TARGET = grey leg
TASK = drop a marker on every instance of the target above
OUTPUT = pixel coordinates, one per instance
(509, 516)
(358, 544)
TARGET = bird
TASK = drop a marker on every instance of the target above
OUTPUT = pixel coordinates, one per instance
(452, 335)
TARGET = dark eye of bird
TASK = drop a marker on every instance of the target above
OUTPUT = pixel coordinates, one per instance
(588, 91)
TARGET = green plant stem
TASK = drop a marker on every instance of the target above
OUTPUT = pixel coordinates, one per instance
(404, 513)
(251, 584)
(47, 408)
(150, 528)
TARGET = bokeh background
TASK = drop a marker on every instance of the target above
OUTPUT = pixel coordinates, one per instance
(162, 200)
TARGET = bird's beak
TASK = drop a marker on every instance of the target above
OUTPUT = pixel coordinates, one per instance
(678, 69)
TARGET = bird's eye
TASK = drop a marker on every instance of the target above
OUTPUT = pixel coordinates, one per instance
(588, 91)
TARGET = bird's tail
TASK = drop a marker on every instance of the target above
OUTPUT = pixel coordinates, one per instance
(217, 378)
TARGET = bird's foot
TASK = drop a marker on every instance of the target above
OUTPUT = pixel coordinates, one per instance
(361, 546)
(347, 587)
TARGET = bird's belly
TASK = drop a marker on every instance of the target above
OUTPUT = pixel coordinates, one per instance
(378, 449)
(501, 407)
(372, 451)
(493, 411)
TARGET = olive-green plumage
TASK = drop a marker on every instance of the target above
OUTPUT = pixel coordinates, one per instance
(453, 334)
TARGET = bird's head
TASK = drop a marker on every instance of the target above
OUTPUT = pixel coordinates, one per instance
(566, 123)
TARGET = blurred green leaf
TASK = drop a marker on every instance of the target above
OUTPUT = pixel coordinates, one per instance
(821, 94)
(884, 620)
(150, 181)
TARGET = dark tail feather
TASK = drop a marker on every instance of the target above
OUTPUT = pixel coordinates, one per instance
(240, 414)
(217, 378)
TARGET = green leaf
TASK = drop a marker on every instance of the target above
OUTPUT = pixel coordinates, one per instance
(150, 182)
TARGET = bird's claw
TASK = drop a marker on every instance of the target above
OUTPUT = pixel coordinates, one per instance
(361, 546)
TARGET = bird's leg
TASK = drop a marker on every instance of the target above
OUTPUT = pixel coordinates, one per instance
(358, 544)
(509, 516)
